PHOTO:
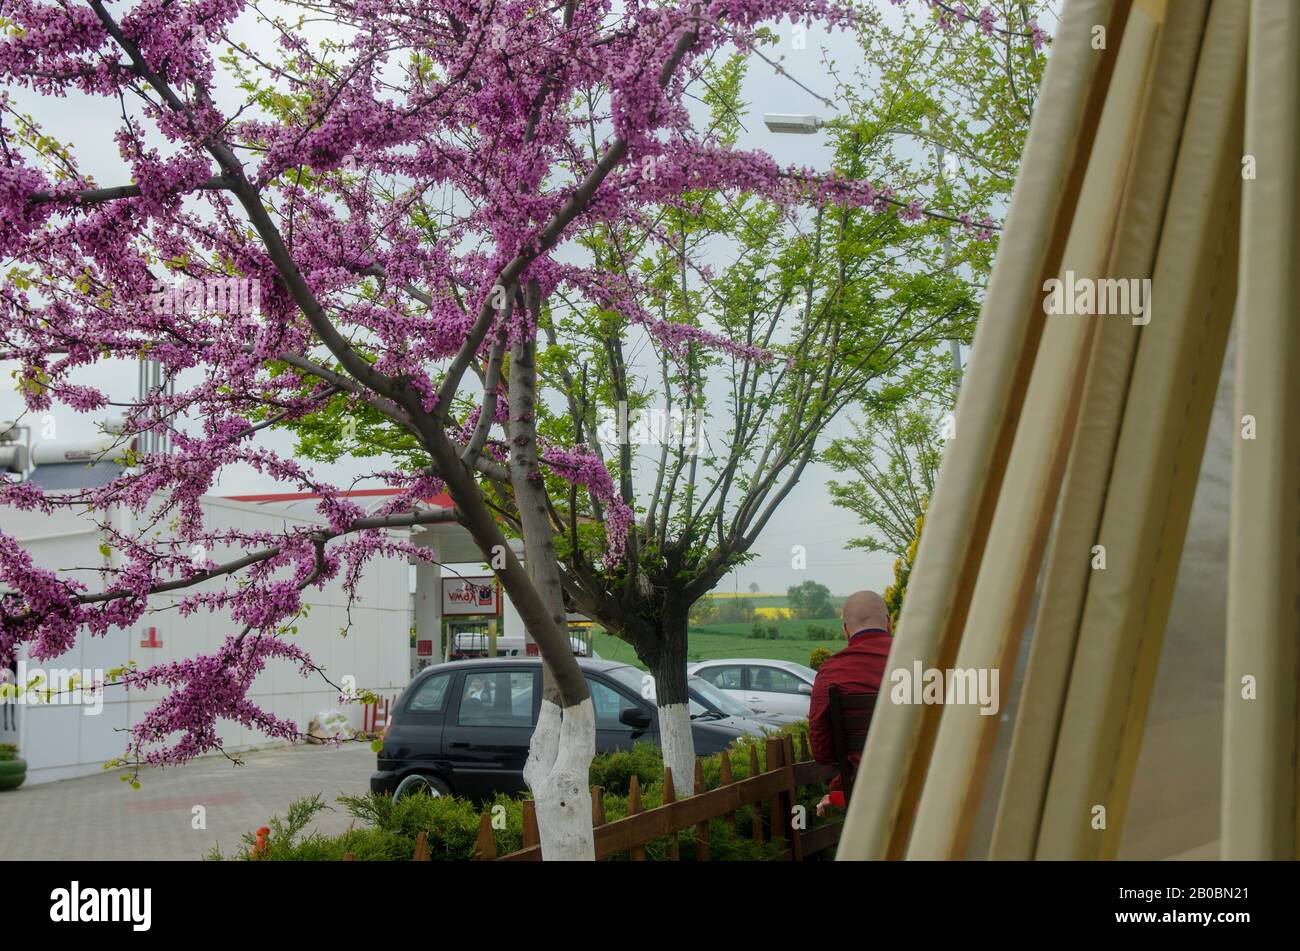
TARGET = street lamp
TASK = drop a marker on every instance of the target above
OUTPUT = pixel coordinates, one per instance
(791, 123)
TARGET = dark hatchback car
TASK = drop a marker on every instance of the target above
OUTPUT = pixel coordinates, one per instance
(465, 725)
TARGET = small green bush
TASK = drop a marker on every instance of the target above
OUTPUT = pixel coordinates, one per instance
(613, 771)
(818, 657)
(8, 751)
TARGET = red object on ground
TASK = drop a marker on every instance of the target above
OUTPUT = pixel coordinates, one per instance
(259, 846)
(372, 721)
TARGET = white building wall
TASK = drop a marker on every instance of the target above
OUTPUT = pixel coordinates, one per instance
(512, 624)
(62, 741)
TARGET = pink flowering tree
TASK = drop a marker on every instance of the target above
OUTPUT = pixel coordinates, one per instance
(405, 195)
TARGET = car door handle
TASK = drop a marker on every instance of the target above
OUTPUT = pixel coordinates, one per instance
(459, 746)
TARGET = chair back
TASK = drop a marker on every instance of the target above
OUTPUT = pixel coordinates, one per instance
(850, 715)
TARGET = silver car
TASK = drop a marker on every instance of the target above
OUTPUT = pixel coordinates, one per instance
(765, 686)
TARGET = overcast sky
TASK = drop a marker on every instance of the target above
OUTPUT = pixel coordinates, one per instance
(806, 517)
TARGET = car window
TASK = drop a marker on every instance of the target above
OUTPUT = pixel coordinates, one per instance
(724, 678)
(497, 698)
(807, 673)
(642, 683)
(717, 699)
(430, 696)
(773, 680)
(609, 703)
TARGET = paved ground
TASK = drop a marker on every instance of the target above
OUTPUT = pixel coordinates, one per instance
(101, 817)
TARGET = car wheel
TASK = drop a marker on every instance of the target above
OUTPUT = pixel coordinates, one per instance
(417, 784)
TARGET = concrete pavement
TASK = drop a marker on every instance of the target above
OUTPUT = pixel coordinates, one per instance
(101, 817)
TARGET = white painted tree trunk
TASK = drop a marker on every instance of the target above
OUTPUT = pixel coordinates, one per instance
(678, 745)
(558, 773)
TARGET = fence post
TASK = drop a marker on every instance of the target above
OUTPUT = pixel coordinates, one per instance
(702, 829)
(670, 795)
(421, 848)
(796, 840)
(597, 806)
(485, 849)
(756, 807)
(776, 805)
(804, 754)
(531, 835)
(725, 780)
(633, 807)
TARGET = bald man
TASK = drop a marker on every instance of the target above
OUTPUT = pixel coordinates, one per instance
(857, 668)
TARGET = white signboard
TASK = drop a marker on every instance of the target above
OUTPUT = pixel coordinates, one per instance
(478, 595)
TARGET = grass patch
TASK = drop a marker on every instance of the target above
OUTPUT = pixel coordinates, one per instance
(712, 641)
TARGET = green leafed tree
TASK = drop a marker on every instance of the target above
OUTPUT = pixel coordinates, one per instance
(892, 458)
(965, 97)
(810, 600)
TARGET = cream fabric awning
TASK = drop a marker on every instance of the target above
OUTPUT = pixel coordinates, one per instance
(1162, 157)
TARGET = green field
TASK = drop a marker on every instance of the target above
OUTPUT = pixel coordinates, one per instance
(762, 600)
(785, 627)
(730, 640)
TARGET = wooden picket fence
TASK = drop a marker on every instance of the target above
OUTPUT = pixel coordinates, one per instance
(777, 787)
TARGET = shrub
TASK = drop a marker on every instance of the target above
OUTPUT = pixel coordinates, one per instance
(756, 632)
(816, 632)
(8, 751)
(735, 610)
(451, 824)
(903, 570)
(703, 611)
(773, 633)
(613, 771)
(818, 657)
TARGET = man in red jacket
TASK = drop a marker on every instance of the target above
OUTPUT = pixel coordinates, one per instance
(858, 668)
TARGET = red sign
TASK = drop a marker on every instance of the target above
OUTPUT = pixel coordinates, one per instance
(153, 639)
(424, 648)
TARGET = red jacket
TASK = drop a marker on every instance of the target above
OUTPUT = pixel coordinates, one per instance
(858, 668)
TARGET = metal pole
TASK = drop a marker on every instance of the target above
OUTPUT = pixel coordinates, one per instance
(953, 345)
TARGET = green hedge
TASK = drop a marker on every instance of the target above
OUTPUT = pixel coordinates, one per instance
(386, 831)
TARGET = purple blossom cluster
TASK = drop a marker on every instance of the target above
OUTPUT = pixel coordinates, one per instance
(582, 467)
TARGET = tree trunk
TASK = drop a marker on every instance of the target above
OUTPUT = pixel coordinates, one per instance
(668, 666)
(564, 741)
